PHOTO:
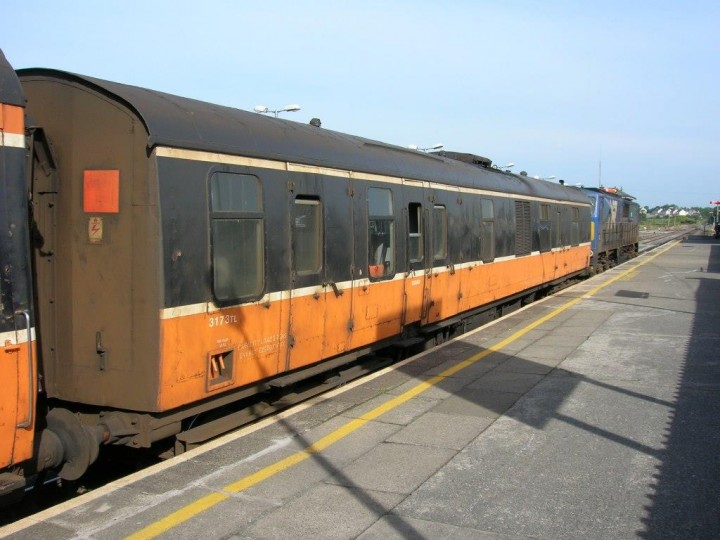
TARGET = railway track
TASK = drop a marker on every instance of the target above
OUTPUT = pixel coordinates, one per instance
(652, 239)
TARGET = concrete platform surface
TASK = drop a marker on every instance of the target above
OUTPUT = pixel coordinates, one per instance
(592, 414)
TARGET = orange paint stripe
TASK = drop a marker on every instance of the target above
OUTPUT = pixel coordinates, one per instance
(258, 334)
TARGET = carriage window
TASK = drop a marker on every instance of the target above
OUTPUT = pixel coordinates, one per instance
(487, 231)
(575, 226)
(307, 236)
(237, 230)
(545, 228)
(440, 240)
(593, 202)
(381, 233)
(415, 240)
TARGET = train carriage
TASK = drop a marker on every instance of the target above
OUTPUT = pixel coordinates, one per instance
(188, 255)
(18, 359)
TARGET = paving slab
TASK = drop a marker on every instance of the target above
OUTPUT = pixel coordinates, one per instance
(395, 468)
(442, 430)
(325, 511)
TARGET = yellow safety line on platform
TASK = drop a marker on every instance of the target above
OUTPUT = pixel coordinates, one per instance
(204, 503)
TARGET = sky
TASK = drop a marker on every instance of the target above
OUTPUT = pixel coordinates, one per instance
(615, 93)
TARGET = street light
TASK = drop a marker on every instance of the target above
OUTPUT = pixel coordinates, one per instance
(433, 147)
(262, 109)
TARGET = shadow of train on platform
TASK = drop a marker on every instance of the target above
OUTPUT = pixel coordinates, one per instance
(685, 502)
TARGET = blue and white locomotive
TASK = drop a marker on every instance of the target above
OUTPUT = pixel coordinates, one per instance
(614, 231)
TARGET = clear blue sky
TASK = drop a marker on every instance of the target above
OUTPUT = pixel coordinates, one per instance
(557, 87)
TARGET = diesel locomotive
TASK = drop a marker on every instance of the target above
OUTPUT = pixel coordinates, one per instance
(163, 257)
(615, 220)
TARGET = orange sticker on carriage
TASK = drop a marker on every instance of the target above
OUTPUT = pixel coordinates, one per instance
(12, 119)
(101, 192)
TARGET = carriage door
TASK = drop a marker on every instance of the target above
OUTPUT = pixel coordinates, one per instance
(16, 359)
(434, 258)
(418, 281)
(307, 296)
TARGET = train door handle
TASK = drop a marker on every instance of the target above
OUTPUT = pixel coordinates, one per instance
(338, 292)
(100, 350)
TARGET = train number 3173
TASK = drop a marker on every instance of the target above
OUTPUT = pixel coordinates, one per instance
(221, 320)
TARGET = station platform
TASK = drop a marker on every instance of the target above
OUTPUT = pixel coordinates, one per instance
(591, 414)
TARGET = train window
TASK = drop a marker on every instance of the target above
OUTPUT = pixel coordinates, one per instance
(237, 232)
(487, 231)
(593, 204)
(231, 192)
(545, 228)
(575, 227)
(381, 233)
(307, 235)
(415, 236)
(440, 234)
(469, 233)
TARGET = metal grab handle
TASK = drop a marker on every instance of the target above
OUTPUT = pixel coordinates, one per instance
(31, 387)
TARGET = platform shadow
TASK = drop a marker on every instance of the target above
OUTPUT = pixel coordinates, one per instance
(685, 495)
(686, 498)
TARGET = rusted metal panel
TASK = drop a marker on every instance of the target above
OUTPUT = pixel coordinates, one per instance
(99, 281)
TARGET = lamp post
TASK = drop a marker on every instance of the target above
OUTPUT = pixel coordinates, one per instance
(262, 109)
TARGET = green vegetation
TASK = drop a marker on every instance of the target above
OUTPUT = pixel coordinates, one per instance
(671, 215)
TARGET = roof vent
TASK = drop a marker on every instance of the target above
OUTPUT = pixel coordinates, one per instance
(473, 159)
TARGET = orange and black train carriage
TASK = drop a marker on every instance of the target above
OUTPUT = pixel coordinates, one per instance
(18, 353)
(171, 256)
